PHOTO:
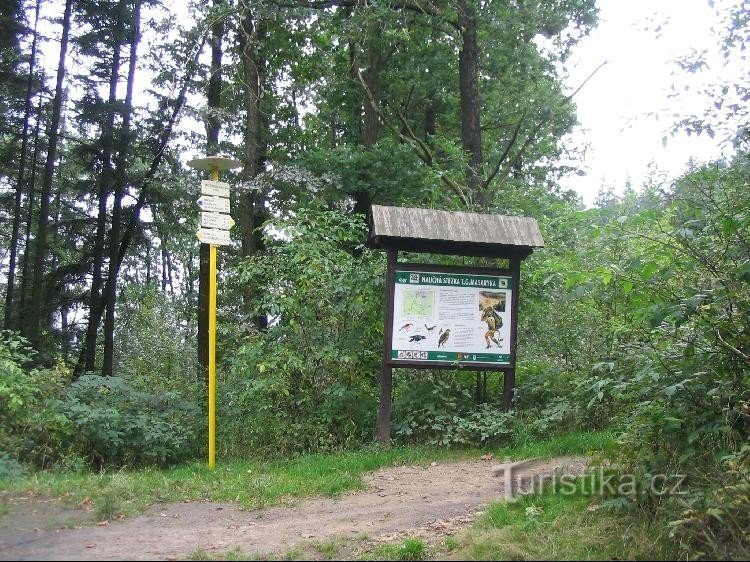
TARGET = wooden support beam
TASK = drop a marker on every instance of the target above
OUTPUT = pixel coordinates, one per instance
(509, 380)
(383, 430)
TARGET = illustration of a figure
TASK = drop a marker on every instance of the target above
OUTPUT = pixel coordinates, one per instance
(444, 337)
(417, 338)
(430, 328)
(405, 327)
(494, 323)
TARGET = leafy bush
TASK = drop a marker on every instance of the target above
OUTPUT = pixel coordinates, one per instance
(680, 384)
(309, 381)
(32, 430)
(715, 522)
(115, 423)
(155, 346)
(437, 408)
(10, 468)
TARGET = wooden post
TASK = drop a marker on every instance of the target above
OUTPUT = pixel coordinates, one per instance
(383, 429)
(509, 379)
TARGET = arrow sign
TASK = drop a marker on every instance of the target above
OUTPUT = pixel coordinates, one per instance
(213, 204)
(216, 220)
(214, 236)
(215, 188)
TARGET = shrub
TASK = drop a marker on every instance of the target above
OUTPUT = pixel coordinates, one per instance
(438, 409)
(116, 424)
(307, 382)
(715, 523)
(10, 468)
(32, 429)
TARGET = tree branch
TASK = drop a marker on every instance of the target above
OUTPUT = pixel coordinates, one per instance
(589, 77)
(730, 347)
(420, 148)
(504, 155)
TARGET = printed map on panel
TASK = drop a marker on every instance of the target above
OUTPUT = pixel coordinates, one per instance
(418, 302)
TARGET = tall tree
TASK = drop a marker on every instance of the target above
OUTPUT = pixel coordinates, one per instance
(213, 128)
(110, 43)
(34, 316)
(468, 88)
(119, 191)
(252, 211)
(22, 185)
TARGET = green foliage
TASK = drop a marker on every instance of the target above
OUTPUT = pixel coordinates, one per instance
(438, 409)
(155, 345)
(715, 521)
(31, 427)
(115, 423)
(10, 468)
(307, 382)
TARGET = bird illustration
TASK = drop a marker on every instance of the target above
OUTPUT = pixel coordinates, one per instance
(405, 327)
(417, 338)
(444, 337)
(430, 329)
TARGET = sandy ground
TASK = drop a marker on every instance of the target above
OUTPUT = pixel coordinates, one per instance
(400, 501)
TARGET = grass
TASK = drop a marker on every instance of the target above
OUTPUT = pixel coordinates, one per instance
(234, 554)
(408, 549)
(592, 443)
(329, 547)
(550, 526)
(259, 483)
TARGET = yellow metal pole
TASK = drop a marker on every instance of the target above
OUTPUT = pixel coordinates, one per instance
(212, 347)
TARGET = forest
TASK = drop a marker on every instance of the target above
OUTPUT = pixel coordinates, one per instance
(634, 318)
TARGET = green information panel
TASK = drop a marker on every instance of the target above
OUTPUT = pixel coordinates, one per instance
(451, 317)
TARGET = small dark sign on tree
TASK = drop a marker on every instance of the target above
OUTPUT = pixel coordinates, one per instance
(450, 317)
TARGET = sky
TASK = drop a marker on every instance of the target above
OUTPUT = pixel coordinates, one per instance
(625, 111)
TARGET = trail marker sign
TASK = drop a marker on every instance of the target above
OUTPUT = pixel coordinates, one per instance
(216, 220)
(213, 204)
(214, 236)
(215, 188)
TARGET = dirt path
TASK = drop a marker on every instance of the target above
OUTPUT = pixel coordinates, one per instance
(405, 500)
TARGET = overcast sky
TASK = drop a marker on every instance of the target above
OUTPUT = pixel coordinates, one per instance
(624, 111)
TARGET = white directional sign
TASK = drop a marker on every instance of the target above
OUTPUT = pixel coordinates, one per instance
(213, 204)
(216, 220)
(214, 236)
(215, 188)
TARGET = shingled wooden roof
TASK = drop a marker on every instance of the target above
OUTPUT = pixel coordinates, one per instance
(458, 233)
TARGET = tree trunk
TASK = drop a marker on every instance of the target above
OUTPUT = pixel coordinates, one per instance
(21, 184)
(213, 128)
(96, 303)
(372, 76)
(370, 125)
(30, 208)
(33, 319)
(122, 161)
(468, 78)
(252, 212)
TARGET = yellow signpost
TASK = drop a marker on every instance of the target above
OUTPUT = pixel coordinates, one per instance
(214, 197)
